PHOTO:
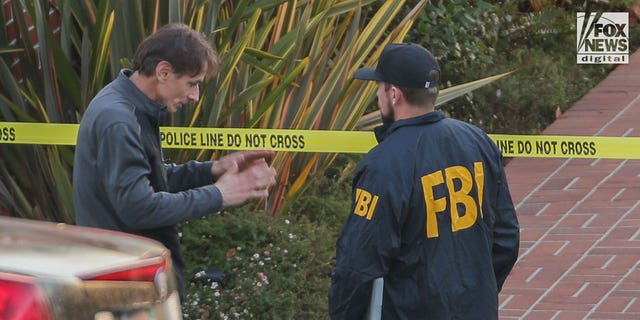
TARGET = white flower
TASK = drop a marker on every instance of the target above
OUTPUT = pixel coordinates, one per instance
(255, 256)
(287, 221)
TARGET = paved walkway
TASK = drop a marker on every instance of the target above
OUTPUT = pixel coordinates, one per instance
(580, 218)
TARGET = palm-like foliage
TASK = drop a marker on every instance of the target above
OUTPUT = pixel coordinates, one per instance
(285, 64)
(306, 54)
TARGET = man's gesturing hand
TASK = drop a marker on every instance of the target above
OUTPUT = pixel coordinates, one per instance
(239, 160)
(239, 184)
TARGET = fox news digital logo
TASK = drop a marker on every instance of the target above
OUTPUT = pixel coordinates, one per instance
(602, 38)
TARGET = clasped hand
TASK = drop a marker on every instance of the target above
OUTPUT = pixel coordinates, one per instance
(244, 175)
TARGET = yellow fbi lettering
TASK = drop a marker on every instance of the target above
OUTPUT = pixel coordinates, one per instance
(460, 196)
(365, 203)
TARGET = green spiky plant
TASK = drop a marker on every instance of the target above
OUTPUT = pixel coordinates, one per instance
(284, 64)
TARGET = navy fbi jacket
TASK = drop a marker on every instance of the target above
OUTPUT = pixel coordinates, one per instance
(433, 215)
(120, 179)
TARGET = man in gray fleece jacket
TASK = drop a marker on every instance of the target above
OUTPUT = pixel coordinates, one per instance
(120, 179)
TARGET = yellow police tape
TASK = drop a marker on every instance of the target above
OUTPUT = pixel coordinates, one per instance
(328, 141)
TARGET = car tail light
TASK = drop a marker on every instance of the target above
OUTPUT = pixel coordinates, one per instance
(145, 272)
(22, 299)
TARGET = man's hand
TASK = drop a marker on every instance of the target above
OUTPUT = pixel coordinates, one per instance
(239, 184)
(238, 160)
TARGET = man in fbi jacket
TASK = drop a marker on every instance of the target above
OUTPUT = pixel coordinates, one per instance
(432, 213)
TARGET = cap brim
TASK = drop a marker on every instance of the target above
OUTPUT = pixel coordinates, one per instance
(367, 74)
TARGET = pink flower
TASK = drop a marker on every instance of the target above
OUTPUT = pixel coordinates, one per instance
(263, 277)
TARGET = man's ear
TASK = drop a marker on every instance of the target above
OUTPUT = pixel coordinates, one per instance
(396, 93)
(163, 70)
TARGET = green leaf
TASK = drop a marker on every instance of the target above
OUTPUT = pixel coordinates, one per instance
(451, 93)
(373, 119)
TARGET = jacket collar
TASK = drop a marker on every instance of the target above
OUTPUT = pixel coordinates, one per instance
(385, 130)
(153, 109)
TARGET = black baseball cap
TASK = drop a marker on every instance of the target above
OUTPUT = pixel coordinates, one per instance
(403, 64)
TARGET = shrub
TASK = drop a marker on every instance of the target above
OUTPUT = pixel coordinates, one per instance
(476, 39)
(277, 267)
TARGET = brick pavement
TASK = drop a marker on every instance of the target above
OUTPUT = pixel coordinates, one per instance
(580, 218)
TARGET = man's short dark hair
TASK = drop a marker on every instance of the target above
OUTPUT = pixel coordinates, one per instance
(185, 49)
